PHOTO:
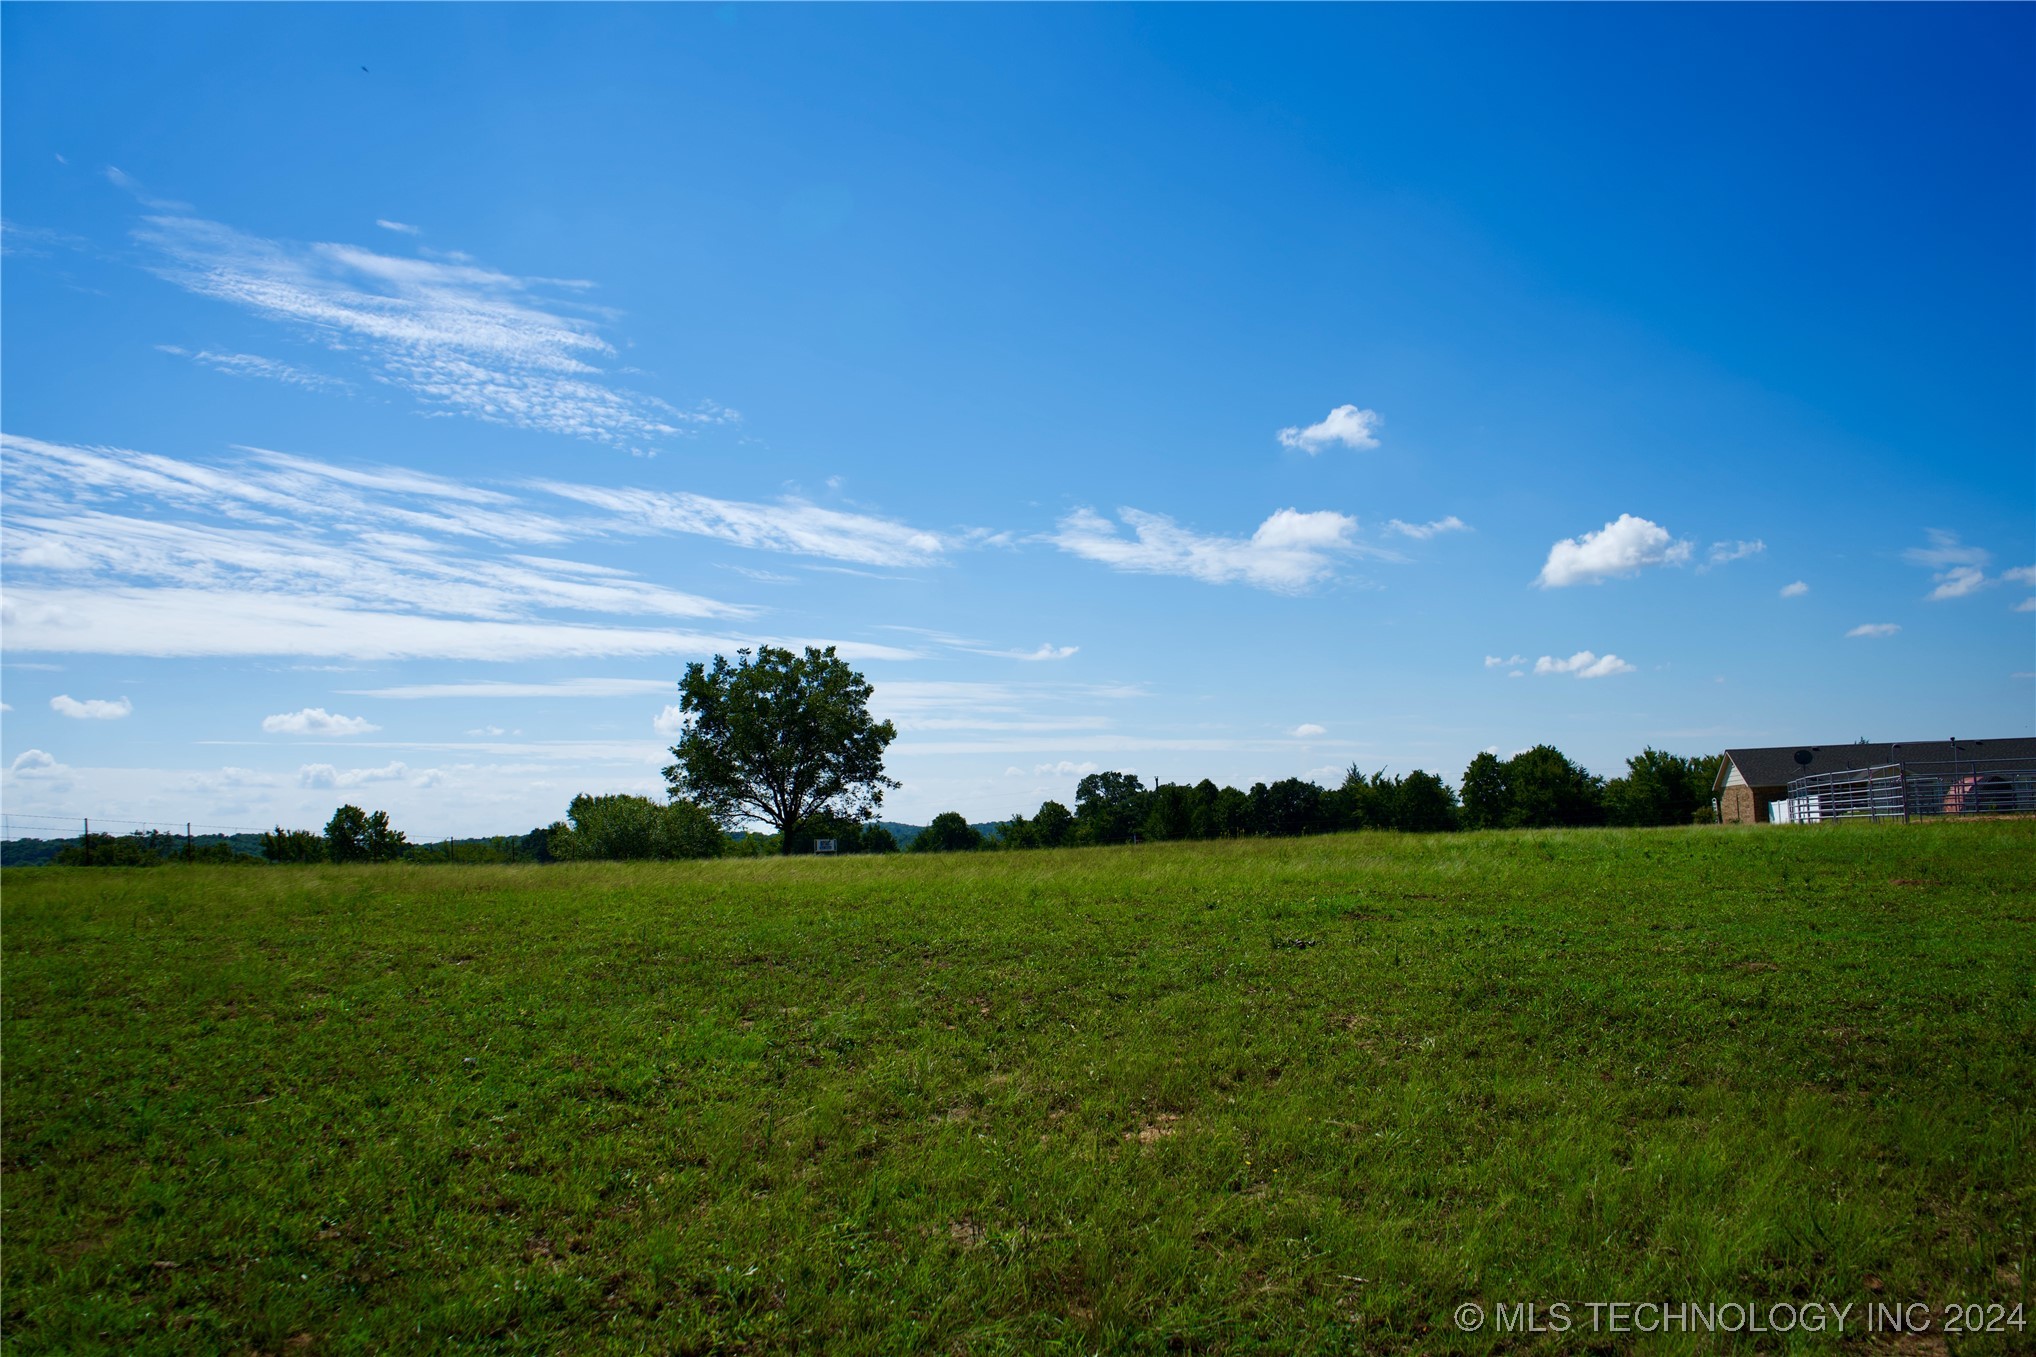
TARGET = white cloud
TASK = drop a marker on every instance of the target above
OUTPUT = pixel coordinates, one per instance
(1047, 651)
(4, 706)
(92, 708)
(166, 622)
(1945, 550)
(1958, 581)
(1721, 552)
(119, 552)
(1959, 570)
(1621, 547)
(1796, 590)
(31, 761)
(1289, 552)
(317, 721)
(495, 688)
(1874, 629)
(254, 365)
(1065, 768)
(1494, 662)
(1584, 664)
(460, 337)
(400, 227)
(1424, 531)
(670, 721)
(1346, 424)
(788, 526)
(2027, 605)
(323, 776)
(1307, 730)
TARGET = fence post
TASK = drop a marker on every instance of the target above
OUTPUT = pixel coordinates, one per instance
(86, 842)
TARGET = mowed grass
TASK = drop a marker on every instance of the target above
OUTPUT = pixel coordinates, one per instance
(1292, 1096)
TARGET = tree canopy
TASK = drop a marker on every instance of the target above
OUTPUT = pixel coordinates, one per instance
(628, 828)
(780, 738)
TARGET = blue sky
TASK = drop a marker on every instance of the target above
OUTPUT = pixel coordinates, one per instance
(1239, 392)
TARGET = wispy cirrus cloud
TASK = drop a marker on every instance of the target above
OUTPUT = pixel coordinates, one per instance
(460, 337)
(1723, 553)
(500, 688)
(110, 551)
(1873, 630)
(1421, 532)
(402, 228)
(1959, 570)
(1346, 424)
(1288, 553)
(1621, 547)
(254, 365)
(788, 526)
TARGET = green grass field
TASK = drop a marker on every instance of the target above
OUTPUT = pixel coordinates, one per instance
(1286, 1096)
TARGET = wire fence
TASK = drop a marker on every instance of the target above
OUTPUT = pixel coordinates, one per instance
(15, 825)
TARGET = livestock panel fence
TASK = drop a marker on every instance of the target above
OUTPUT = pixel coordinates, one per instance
(1912, 791)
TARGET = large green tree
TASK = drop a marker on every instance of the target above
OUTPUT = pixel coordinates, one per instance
(780, 738)
(1661, 789)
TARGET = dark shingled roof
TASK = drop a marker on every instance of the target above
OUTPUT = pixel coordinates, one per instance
(1777, 767)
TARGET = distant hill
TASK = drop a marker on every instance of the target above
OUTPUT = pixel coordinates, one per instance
(904, 834)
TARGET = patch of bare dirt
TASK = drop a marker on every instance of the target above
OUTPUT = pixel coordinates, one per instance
(1159, 1128)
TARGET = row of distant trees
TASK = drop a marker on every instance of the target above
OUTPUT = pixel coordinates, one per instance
(1536, 788)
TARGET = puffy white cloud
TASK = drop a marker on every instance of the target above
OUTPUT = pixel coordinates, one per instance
(1289, 552)
(92, 708)
(1870, 629)
(1621, 547)
(670, 721)
(2027, 605)
(1308, 730)
(1584, 664)
(32, 761)
(1796, 590)
(1346, 424)
(1494, 662)
(317, 721)
(2020, 574)
(325, 777)
(1423, 531)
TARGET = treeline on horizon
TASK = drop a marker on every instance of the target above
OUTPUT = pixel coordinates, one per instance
(1535, 789)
